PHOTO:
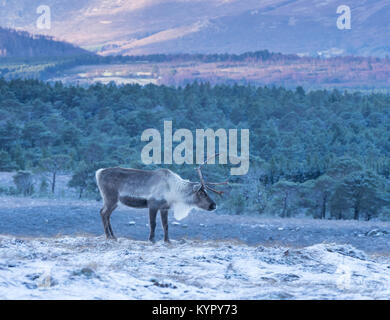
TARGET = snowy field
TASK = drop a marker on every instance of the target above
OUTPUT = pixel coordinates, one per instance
(92, 268)
(56, 250)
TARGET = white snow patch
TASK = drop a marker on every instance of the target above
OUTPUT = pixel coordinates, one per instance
(93, 268)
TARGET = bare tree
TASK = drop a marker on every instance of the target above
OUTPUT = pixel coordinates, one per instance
(53, 165)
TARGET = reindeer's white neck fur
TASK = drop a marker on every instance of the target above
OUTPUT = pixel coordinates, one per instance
(177, 201)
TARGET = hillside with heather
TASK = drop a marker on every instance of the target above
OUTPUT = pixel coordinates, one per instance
(256, 68)
(133, 27)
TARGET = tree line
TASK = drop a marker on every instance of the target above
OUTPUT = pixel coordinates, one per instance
(15, 43)
(321, 153)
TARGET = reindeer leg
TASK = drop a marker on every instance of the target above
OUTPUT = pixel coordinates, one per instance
(105, 214)
(104, 220)
(112, 236)
(152, 222)
(164, 222)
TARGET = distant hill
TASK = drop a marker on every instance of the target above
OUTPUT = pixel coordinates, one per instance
(21, 44)
(134, 27)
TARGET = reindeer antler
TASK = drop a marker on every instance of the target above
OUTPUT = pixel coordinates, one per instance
(217, 183)
(213, 190)
(208, 184)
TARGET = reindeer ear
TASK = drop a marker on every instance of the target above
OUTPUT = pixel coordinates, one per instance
(196, 187)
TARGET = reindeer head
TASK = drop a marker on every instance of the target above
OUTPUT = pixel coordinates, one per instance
(201, 198)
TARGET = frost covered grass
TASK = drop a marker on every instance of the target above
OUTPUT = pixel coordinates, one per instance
(273, 258)
(87, 267)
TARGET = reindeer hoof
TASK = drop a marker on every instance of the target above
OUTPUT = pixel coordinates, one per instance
(167, 241)
(152, 240)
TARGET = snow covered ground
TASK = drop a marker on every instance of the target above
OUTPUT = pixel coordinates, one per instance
(54, 249)
(94, 268)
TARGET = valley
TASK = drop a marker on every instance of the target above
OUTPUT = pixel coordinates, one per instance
(311, 73)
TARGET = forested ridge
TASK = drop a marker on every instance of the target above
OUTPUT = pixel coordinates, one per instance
(15, 43)
(321, 153)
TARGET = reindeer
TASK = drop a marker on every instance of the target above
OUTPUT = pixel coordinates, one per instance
(156, 190)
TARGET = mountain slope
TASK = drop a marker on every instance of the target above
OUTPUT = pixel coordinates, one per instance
(166, 26)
